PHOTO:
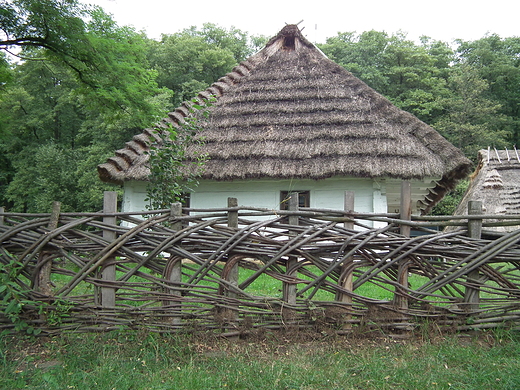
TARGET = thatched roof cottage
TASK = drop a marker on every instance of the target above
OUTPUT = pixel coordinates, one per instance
(495, 183)
(289, 119)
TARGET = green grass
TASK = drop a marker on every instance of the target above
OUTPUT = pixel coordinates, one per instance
(130, 360)
(266, 285)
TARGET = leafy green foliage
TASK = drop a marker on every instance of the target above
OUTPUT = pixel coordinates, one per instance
(119, 76)
(497, 61)
(52, 24)
(472, 121)
(44, 174)
(51, 143)
(171, 175)
(449, 203)
(5, 72)
(189, 61)
(107, 60)
(14, 296)
(234, 40)
(56, 126)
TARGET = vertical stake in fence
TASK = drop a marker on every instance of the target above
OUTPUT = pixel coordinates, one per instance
(232, 276)
(471, 296)
(289, 289)
(233, 223)
(175, 275)
(108, 272)
(1, 216)
(42, 280)
(406, 206)
(346, 280)
(402, 274)
(175, 212)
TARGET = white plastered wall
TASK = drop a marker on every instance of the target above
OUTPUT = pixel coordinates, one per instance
(326, 194)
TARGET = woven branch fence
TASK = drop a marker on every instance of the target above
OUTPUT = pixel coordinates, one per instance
(237, 270)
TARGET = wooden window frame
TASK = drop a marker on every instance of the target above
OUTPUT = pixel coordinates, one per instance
(304, 199)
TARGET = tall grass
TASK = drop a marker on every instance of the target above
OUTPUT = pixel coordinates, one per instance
(131, 360)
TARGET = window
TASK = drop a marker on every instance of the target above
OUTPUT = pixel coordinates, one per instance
(304, 199)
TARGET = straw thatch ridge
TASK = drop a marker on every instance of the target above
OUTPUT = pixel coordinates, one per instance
(290, 112)
(496, 183)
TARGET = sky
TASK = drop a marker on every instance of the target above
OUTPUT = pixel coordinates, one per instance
(444, 20)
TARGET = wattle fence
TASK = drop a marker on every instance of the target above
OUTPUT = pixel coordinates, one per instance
(240, 270)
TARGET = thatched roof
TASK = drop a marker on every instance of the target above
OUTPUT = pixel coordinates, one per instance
(290, 112)
(496, 183)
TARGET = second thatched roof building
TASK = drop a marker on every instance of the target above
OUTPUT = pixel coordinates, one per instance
(496, 184)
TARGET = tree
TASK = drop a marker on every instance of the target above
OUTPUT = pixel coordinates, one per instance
(412, 76)
(497, 61)
(50, 24)
(417, 77)
(5, 72)
(38, 133)
(189, 61)
(236, 41)
(361, 54)
(470, 95)
(82, 89)
(472, 121)
(51, 141)
(108, 61)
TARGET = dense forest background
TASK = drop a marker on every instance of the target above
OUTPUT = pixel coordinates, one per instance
(75, 86)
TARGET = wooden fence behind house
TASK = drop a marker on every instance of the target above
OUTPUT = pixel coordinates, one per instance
(237, 270)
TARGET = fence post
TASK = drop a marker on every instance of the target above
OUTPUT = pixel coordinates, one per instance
(2, 220)
(289, 289)
(233, 223)
(42, 280)
(346, 268)
(230, 272)
(348, 205)
(346, 278)
(175, 271)
(176, 211)
(402, 273)
(108, 272)
(471, 296)
(406, 206)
